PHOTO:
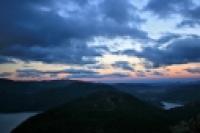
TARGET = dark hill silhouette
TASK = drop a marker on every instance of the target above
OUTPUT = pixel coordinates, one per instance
(101, 112)
(18, 96)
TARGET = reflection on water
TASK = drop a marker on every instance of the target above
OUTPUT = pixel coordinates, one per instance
(167, 105)
(9, 121)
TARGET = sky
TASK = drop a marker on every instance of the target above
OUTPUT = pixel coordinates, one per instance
(100, 40)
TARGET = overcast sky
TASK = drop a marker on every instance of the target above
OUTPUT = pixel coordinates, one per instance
(99, 40)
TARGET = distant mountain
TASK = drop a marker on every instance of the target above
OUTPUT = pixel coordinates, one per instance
(185, 93)
(155, 93)
(149, 92)
(18, 96)
(100, 112)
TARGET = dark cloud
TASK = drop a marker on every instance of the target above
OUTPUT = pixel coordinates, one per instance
(188, 9)
(117, 75)
(33, 73)
(5, 74)
(35, 30)
(121, 11)
(191, 17)
(123, 65)
(156, 73)
(167, 37)
(79, 71)
(29, 73)
(189, 23)
(98, 76)
(73, 73)
(4, 60)
(96, 66)
(77, 53)
(179, 51)
(140, 74)
(164, 8)
(195, 70)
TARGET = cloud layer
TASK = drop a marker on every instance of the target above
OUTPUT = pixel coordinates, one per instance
(98, 38)
(188, 9)
(57, 31)
(178, 51)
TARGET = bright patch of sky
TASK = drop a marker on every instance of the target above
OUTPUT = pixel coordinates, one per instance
(116, 44)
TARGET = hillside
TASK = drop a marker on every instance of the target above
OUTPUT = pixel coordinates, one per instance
(40, 96)
(100, 112)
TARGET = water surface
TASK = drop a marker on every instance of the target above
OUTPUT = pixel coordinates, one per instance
(9, 121)
(168, 105)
